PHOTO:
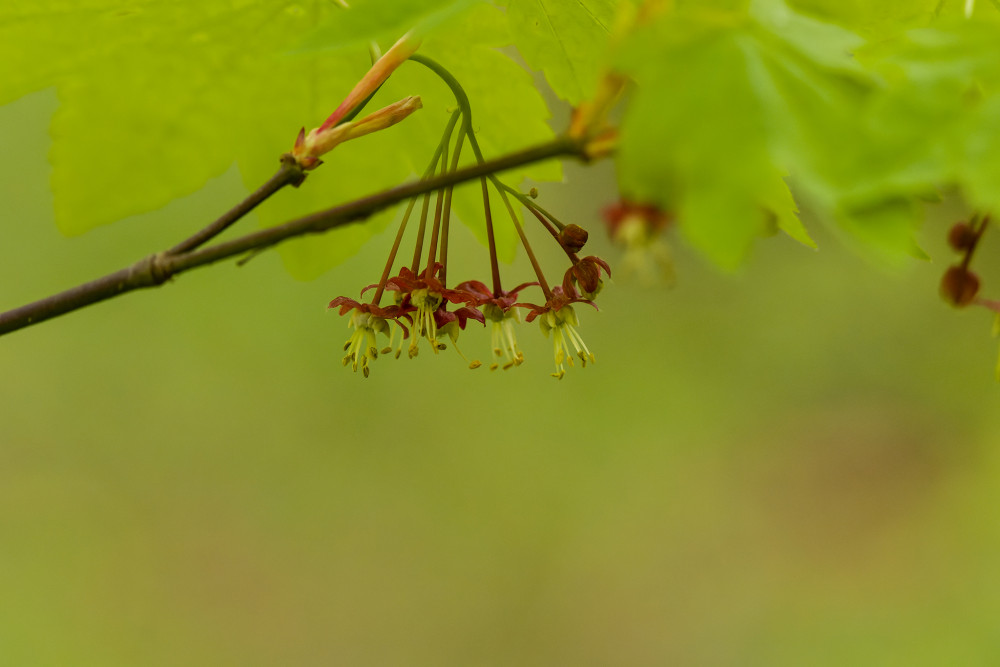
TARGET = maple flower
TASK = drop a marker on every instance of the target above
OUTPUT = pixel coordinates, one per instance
(558, 320)
(425, 296)
(367, 320)
(638, 227)
(502, 314)
(586, 274)
(452, 322)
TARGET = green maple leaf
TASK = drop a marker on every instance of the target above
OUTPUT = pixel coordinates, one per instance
(508, 114)
(156, 97)
(564, 38)
(875, 20)
(711, 133)
(942, 107)
(380, 20)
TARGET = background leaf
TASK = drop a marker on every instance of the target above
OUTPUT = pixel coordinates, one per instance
(508, 113)
(701, 135)
(156, 98)
(566, 39)
(377, 19)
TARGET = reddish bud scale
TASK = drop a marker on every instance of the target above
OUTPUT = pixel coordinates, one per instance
(587, 274)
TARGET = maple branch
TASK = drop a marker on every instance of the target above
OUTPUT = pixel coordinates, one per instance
(290, 173)
(157, 269)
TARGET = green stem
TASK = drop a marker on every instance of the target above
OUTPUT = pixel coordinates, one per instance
(418, 245)
(494, 265)
(983, 221)
(409, 209)
(554, 232)
(446, 221)
(527, 246)
(438, 207)
(463, 102)
(530, 204)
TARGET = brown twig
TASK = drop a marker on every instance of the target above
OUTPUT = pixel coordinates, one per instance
(161, 267)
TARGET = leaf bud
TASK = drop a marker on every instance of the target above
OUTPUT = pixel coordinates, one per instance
(959, 286)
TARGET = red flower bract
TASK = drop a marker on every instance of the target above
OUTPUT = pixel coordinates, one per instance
(408, 282)
(558, 300)
(587, 274)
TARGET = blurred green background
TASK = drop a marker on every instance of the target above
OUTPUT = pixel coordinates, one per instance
(794, 465)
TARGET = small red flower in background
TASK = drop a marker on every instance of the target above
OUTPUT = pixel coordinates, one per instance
(639, 227)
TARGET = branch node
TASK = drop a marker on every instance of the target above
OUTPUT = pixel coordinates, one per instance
(288, 161)
(158, 268)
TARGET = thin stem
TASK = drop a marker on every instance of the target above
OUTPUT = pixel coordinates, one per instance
(438, 205)
(418, 246)
(554, 232)
(157, 269)
(288, 174)
(494, 265)
(529, 203)
(409, 209)
(463, 102)
(984, 221)
(360, 209)
(446, 220)
(392, 253)
(527, 246)
(460, 97)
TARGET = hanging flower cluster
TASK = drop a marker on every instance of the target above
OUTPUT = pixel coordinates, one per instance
(425, 307)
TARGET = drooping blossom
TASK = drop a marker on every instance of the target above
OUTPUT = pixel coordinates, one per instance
(427, 297)
(585, 275)
(502, 314)
(558, 321)
(367, 320)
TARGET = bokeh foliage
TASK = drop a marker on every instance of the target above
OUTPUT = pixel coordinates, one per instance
(864, 109)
